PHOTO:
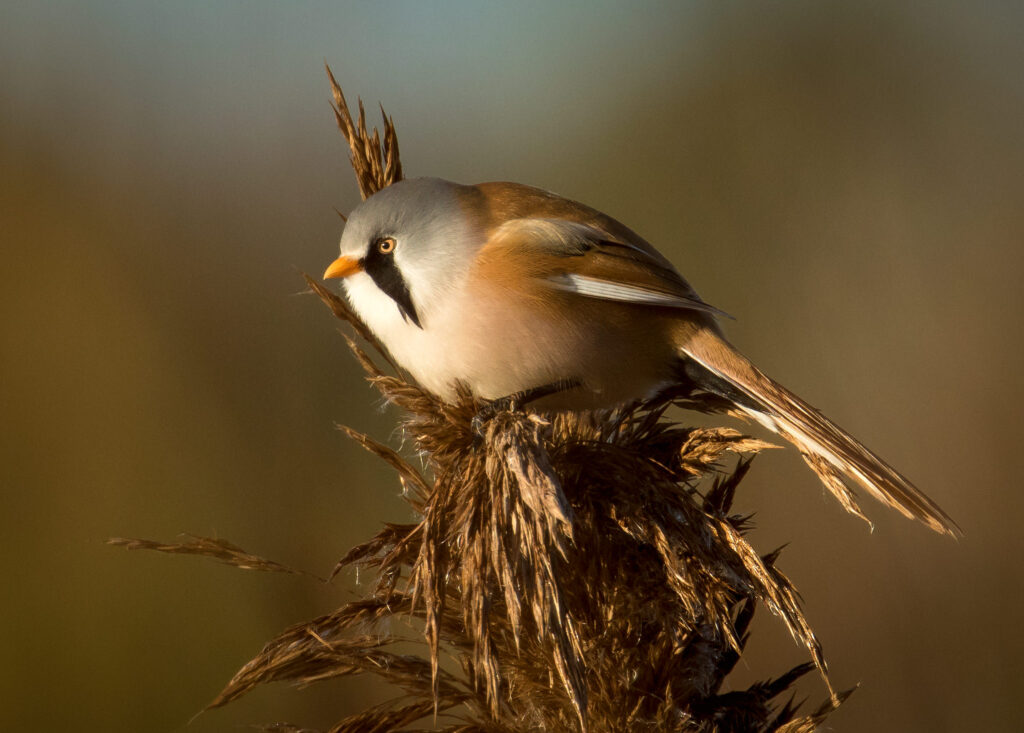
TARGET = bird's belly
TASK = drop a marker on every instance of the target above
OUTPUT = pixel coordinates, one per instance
(498, 346)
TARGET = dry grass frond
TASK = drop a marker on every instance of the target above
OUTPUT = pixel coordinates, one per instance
(705, 447)
(574, 571)
(217, 549)
(375, 160)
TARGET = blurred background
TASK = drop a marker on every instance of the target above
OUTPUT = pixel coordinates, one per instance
(847, 179)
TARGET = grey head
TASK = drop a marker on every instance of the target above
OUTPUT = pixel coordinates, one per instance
(415, 240)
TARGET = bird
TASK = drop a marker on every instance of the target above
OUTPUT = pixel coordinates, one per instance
(529, 299)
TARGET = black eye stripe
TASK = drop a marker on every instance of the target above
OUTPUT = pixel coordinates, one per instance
(380, 266)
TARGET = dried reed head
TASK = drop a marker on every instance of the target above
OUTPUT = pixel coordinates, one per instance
(583, 571)
(375, 161)
(576, 571)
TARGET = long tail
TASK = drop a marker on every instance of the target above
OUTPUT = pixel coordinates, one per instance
(833, 453)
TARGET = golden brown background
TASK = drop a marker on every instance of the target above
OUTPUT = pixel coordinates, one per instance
(846, 179)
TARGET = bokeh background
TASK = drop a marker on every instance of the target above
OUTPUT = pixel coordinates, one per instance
(845, 178)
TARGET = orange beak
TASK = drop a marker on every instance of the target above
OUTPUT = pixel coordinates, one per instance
(343, 267)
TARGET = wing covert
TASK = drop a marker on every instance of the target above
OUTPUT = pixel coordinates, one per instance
(574, 257)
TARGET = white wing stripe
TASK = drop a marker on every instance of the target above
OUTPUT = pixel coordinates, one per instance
(608, 290)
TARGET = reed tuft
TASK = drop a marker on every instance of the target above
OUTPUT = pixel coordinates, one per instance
(564, 572)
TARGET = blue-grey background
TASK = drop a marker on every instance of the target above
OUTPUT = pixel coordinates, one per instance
(845, 178)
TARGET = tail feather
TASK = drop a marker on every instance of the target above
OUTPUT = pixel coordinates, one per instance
(833, 454)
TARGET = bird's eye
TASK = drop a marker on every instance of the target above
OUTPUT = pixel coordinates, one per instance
(386, 245)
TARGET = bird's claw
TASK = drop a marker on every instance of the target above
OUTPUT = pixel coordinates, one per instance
(477, 425)
(487, 413)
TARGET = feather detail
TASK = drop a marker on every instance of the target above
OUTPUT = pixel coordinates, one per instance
(835, 455)
(577, 257)
(607, 290)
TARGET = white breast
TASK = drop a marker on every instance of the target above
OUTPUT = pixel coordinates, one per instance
(479, 342)
(426, 352)
(462, 340)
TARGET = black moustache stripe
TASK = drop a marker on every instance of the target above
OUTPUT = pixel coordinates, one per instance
(382, 269)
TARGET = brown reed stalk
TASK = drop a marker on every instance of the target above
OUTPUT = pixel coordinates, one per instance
(564, 572)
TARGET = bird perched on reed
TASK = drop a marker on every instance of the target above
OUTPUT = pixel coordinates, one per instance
(528, 298)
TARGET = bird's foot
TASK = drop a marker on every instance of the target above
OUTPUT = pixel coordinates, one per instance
(516, 401)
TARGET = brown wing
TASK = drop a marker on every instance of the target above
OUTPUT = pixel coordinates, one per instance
(579, 258)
